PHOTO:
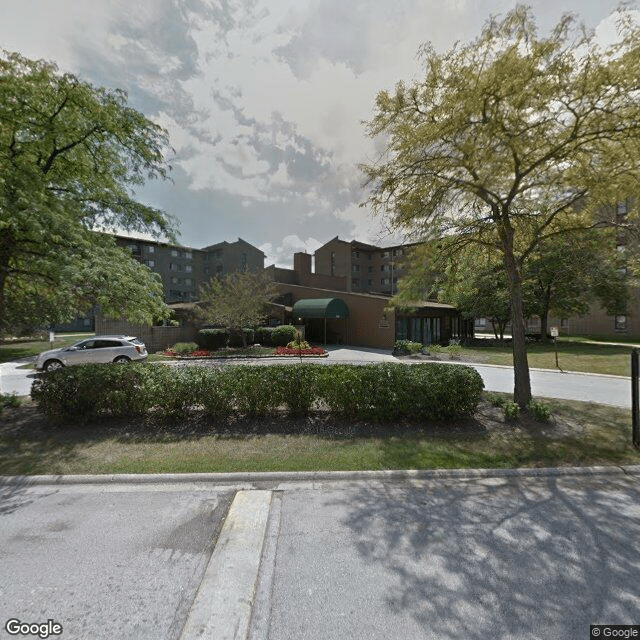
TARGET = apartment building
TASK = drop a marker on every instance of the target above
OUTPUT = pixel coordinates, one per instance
(185, 269)
(367, 268)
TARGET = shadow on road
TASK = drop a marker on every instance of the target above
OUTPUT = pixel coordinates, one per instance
(500, 558)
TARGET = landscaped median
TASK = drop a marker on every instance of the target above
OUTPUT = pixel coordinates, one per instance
(382, 392)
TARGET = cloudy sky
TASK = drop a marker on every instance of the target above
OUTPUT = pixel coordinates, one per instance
(263, 99)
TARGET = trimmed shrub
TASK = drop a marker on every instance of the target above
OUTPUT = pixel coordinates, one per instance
(184, 348)
(282, 335)
(454, 349)
(382, 392)
(84, 392)
(211, 339)
(235, 337)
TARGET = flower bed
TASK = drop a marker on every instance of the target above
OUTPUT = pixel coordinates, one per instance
(288, 351)
(193, 354)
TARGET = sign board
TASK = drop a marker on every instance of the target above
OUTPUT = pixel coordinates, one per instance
(554, 332)
(383, 323)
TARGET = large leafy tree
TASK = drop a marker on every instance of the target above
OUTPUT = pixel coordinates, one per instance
(566, 274)
(509, 140)
(238, 301)
(70, 156)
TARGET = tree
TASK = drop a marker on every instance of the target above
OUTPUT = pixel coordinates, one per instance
(237, 301)
(567, 273)
(509, 140)
(70, 154)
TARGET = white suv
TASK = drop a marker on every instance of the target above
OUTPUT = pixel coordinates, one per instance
(120, 349)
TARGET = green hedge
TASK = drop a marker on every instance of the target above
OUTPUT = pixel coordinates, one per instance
(383, 392)
(211, 339)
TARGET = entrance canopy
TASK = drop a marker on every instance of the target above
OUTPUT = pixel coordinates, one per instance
(320, 308)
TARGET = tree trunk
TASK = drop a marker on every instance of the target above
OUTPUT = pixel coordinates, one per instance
(544, 316)
(521, 378)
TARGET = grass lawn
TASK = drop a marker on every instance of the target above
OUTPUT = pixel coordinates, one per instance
(579, 434)
(573, 355)
(14, 350)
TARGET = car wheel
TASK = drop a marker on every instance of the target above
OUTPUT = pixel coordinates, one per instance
(52, 365)
(122, 360)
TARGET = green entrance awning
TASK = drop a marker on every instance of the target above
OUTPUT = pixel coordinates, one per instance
(320, 308)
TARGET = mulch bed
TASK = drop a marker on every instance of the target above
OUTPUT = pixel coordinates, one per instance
(26, 422)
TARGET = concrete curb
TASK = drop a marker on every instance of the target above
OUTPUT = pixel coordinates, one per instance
(312, 476)
(222, 607)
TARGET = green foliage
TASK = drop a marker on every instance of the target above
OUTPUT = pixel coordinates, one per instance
(212, 339)
(298, 344)
(282, 335)
(8, 400)
(434, 349)
(511, 410)
(384, 392)
(499, 145)
(237, 301)
(184, 348)
(454, 349)
(495, 399)
(539, 411)
(407, 346)
(70, 155)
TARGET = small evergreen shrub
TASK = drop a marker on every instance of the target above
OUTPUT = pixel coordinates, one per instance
(282, 335)
(511, 410)
(211, 339)
(539, 410)
(236, 337)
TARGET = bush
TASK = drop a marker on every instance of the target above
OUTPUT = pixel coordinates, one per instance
(263, 335)
(85, 392)
(539, 410)
(299, 344)
(369, 392)
(454, 349)
(8, 400)
(282, 335)
(406, 346)
(212, 339)
(184, 348)
(495, 399)
(511, 410)
(236, 337)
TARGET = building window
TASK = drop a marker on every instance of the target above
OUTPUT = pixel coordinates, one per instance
(188, 255)
(174, 253)
(355, 268)
(564, 323)
(355, 282)
(173, 266)
(150, 263)
(188, 282)
(480, 323)
(355, 254)
(150, 248)
(384, 281)
(621, 323)
(188, 268)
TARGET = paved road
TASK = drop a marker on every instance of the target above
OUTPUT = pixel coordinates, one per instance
(312, 557)
(611, 390)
